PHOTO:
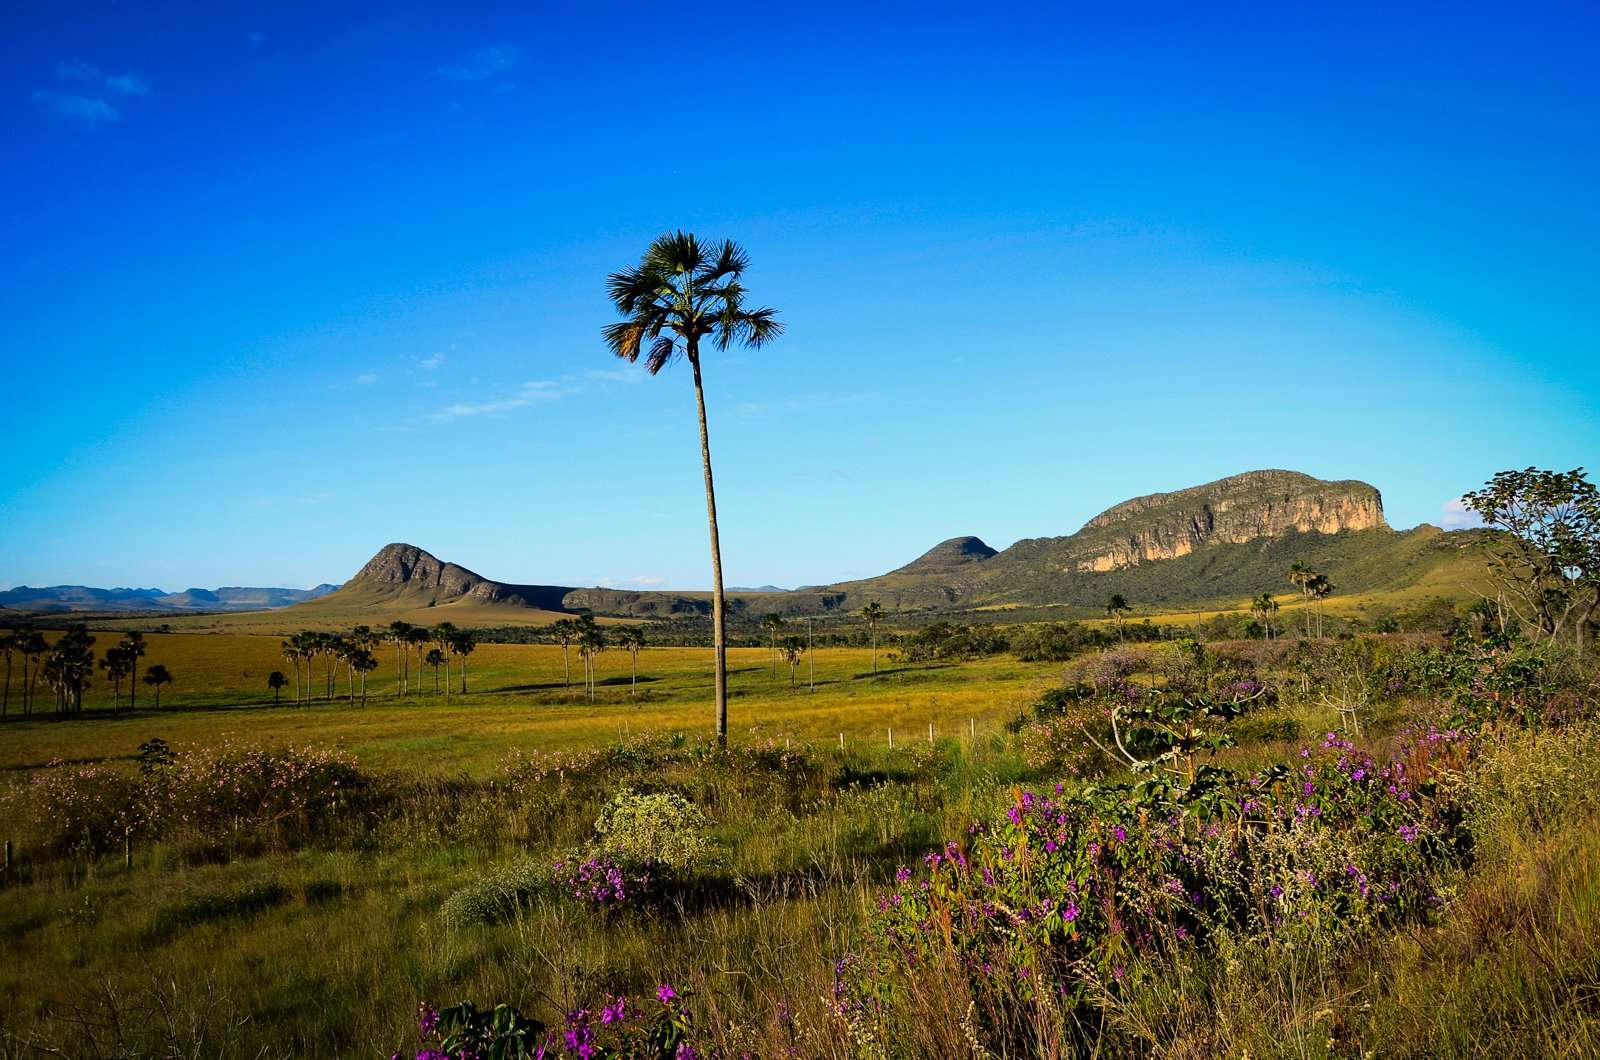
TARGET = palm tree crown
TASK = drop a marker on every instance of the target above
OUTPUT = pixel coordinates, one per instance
(681, 292)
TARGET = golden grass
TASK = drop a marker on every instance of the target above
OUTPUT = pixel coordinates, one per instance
(518, 697)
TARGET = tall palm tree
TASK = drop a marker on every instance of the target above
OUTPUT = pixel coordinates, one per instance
(683, 291)
(630, 639)
(444, 634)
(773, 622)
(1263, 607)
(462, 644)
(872, 612)
(133, 647)
(399, 634)
(565, 629)
(1320, 589)
(1300, 576)
(10, 642)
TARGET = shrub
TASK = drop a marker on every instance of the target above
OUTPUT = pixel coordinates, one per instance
(664, 830)
(493, 899)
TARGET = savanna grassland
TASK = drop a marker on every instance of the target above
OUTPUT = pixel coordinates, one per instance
(1367, 845)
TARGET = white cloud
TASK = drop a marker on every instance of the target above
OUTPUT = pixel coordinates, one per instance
(90, 111)
(87, 99)
(483, 64)
(317, 498)
(529, 394)
(366, 379)
(1455, 515)
(433, 362)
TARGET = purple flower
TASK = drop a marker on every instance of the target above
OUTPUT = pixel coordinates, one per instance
(665, 993)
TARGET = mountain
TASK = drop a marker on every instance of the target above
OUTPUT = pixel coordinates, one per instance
(1212, 544)
(87, 598)
(405, 576)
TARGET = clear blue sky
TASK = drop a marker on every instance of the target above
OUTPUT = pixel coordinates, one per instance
(285, 282)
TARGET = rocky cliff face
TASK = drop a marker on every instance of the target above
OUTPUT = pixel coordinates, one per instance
(1233, 510)
(407, 568)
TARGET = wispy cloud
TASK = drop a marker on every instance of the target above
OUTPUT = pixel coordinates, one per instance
(85, 94)
(317, 498)
(366, 379)
(617, 375)
(431, 363)
(484, 64)
(643, 581)
(1455, 515)
(528, 394)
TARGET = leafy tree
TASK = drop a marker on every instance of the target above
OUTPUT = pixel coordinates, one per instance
(872, 613)
(773, 622)
(680, 293)
(793, 649)
(1116, 607)
(158, 675)
(363, 662)
(630, 639)
(276, 681)
(133, 647)
(1544, 547)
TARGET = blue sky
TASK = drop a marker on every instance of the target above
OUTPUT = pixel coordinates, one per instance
(284, 283)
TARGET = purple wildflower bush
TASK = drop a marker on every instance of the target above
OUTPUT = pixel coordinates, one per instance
(654, 1027)
(1068, 894)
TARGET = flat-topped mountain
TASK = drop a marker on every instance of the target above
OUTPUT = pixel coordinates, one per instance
(1233, 510)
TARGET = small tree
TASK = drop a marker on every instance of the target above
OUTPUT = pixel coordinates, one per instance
(133, 648)
(1263, 608)
(158, 675)
(872, 612)
(793, 649)
(565, 629)
(435, 659)
(276, 681)
(591, 642)
(1116, 607)
(772, 623)
(463, 644)
(630, 639)
(1301, 576)
(117, 665)
(1544, 547)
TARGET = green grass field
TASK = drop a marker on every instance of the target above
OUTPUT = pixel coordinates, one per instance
(518, 696)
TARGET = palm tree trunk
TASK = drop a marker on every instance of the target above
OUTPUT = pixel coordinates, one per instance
(719, 629)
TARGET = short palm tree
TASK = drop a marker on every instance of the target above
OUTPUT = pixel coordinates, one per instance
(683, 291)
(158, 675)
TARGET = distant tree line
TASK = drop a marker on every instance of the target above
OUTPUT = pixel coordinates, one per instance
(64, 667)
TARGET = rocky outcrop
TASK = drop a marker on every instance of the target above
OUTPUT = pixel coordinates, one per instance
(1258, 504)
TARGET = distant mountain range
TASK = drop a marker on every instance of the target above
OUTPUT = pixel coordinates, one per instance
(1217, 544)
(85, 598)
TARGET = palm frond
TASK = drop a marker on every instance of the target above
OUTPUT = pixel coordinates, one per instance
(662, 352)
(623, 338)
(751, 327)
(674, 252)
